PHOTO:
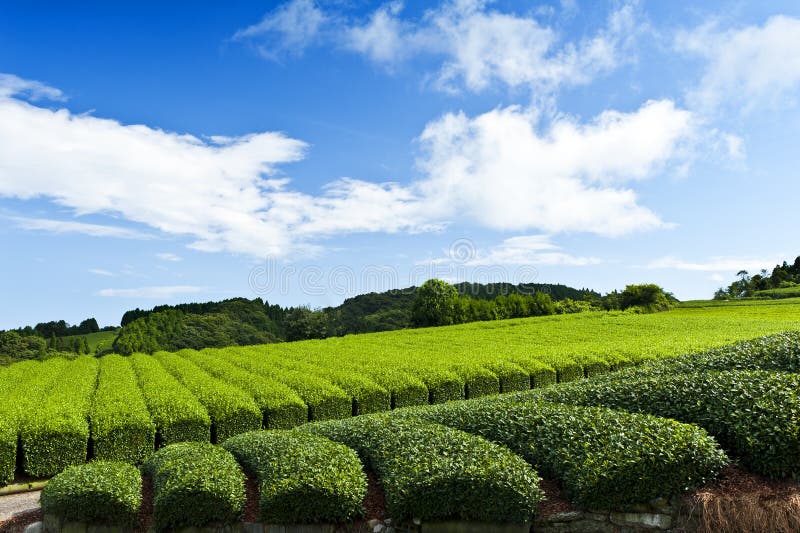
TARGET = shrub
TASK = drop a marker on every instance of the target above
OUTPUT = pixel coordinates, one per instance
(302, 478)
(406, 388)
(120, 424)
(101, 492)
(55, 434)
(754, 414)
(232, 410)
(433, 472)
(282, 408)
(510, 376)
(567, 369)
(195, 484)
(178, 415)
(325, 400)
(478, 381)
(8, 452)
(443, 385)
(603, 458)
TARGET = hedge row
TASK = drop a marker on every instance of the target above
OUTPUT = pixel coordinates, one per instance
(281, 407)
(753, 414)
(108, 493)
(603, 458)
(302, 478)
(773, 352)
(325, 400)
(21, 387)
(512, 377)
(433, 472)
(478, 380)
(232, 410)
(55, 434)
(367, 396)
(121, 427)
(178, 415)
(195, 484)
(406, 389)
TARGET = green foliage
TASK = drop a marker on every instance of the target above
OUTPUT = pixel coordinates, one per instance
(107, 493)
(433, 472)
(8, 452)
(302, 478)
(232, 410)
(178, 415)
(434, 304)
(194, 485)
(282, 407)
(55, 434)
(325, 400)
(753, 414)
(121, 427)
(648, 297)
(603, 458)
(782, 282)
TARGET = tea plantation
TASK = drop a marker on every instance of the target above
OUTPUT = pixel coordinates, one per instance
(640, 406)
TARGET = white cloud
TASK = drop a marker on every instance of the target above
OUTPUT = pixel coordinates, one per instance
(287, 30)
(716, 264)
(500, 171)
(746, 67)
(166, 256)
(514, 251)
(100, 272)
(67, 226)
(11, 85)
(479, 46)
(159, 293)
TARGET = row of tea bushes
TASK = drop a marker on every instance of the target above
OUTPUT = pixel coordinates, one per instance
(753, 414)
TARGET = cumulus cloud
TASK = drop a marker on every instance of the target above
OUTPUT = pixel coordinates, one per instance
(287, 30)
(746, 67)
(500, 171)
(156, 293)
(478, 46)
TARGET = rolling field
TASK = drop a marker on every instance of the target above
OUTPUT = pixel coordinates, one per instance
(128, 406)
(98, 342)
(670, 400)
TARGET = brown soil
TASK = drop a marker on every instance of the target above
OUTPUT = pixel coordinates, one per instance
(146, 512)
(555, 501)
(251, 507)
(375, 502)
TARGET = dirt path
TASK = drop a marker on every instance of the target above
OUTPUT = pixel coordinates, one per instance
(18, 503)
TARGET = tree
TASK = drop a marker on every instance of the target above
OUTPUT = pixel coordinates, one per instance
(434, 304)
(650, 297)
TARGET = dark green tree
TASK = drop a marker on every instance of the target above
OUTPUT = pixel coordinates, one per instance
(434, 304)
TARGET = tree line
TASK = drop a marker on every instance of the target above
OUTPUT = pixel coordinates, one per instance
(784, 276)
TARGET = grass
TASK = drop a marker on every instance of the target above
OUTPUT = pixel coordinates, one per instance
(98, 342)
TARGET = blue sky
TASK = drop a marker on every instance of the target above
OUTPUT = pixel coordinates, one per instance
(306, 151)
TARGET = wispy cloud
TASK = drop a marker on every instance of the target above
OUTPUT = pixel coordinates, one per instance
(716, 264)
(11, 85)
(746, 67)
(166, 256)
(536, 250)
(100, 272)
(286, 31)
(159, 293)
(69, 226)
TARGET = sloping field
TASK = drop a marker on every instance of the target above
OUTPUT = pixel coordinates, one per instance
(213, 394)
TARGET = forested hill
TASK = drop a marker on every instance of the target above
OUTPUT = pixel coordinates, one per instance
(240, 321)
